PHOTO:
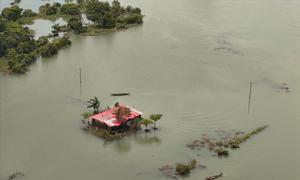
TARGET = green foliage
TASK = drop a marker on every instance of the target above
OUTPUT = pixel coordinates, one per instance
(26, 47)
(48, 9)
(132, 19)
(28, 13)
(70, 9)
(75, 24)
(52, 48)
(184, 169)
(12, 13)
(222, 152)
(62, 42)
(86, 115)
(55, 30)
(111, 16)
(155, 118)
(42, 41)
(48, 50)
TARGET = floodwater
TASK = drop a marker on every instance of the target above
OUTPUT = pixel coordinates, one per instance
(192, 61)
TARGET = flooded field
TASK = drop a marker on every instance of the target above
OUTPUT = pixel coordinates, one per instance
(192, 61)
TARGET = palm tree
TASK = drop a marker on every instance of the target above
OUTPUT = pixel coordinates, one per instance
(146, 122)
(95, 104)
(155, 118)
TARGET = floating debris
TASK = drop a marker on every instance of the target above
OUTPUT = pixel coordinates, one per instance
(181, 169)
(15, 175)
(284, 87)
(224, 140)
(229, 49)
(214, 177)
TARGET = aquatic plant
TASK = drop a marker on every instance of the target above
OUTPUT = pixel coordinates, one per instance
(222, 152)
(155, 118)
(225, 140)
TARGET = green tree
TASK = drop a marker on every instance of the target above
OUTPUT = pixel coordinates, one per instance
(12, 13)
(146, 122)
(155, 118)
(95, 104)
(55, 30)
(96, 11)
(70, 9)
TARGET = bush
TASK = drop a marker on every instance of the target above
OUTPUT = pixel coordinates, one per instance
(12, 13)
(28, 13)
(70, 9)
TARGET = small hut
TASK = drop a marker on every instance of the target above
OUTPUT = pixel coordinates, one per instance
(116, 118)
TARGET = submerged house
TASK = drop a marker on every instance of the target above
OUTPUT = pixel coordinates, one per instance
(115, 118)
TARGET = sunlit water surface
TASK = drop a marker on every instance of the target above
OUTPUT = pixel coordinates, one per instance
(192, 61)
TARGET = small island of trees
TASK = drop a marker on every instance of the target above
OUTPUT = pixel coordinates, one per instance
(19, 48)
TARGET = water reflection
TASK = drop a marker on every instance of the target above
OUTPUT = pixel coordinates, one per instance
(147, 138)
(121, 146)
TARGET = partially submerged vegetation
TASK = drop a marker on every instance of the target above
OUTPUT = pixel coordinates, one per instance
(226, 140)
(180, 169)
(18, 47)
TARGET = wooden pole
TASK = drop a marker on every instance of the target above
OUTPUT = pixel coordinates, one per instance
(250, 93)
(80, 80)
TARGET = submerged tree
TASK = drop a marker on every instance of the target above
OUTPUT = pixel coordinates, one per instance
(155, 118)
(95, 104)
(146, 122)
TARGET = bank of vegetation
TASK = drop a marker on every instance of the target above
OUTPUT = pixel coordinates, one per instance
(19, 48)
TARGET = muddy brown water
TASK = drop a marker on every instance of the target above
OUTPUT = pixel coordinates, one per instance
(192, 60)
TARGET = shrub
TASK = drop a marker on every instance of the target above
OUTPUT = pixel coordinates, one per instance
(132, 19)
(184, 169)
